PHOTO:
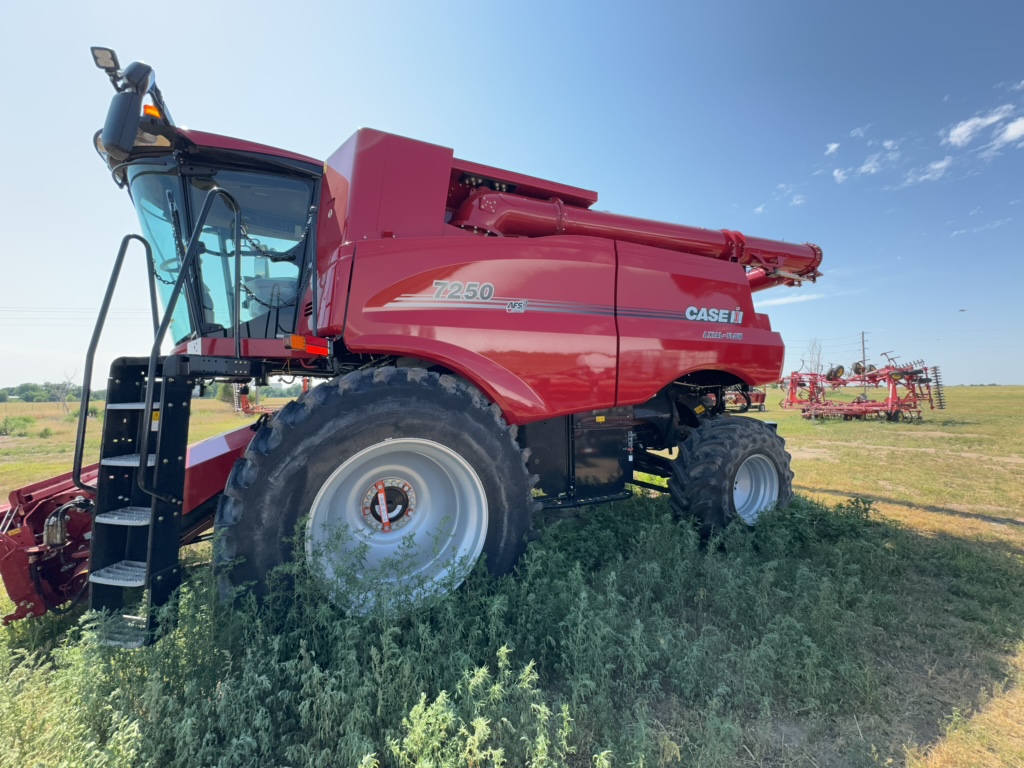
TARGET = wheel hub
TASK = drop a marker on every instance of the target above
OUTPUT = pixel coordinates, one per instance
(388, 504)
(755, 487)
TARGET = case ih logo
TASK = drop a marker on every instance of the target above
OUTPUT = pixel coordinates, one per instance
(734, 316)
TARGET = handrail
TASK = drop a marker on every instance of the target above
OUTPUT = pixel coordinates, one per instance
(83, 411)
(190, 255)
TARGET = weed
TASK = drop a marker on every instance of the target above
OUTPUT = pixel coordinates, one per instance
(15, 425)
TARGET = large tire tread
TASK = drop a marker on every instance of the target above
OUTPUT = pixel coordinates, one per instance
(254, 531)
(700, 487)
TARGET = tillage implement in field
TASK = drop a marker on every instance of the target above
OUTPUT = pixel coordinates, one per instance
(485, 343)
(907, 389)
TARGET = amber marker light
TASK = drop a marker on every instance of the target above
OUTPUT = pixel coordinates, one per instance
(310, 345)
(151, 111)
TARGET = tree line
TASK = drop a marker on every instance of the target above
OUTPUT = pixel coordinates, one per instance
(64, 391)
(48, 392)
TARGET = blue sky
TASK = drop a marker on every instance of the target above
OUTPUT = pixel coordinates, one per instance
(891, 134)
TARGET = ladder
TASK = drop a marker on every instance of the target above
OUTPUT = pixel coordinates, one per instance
(137, 513)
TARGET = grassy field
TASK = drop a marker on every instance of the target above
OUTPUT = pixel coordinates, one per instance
(883, 630)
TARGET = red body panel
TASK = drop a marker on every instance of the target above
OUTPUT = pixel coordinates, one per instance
(658, 343)
(555, 356)
(570, 347)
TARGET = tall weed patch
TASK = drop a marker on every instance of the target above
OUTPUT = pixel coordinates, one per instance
(622, 639)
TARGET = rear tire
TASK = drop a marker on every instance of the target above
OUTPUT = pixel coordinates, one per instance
(439, 454)
(730, 469)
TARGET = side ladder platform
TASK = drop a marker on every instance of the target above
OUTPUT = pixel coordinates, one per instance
(137, 526)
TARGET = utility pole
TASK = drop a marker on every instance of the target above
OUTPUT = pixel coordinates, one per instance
(864, 361)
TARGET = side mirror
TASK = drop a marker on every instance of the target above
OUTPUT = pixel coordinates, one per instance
(122, 124)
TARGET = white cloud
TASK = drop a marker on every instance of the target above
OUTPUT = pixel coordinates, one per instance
(961, 134)
(931, 172)
(793, 299)
(1011, 132)
(890, 145)
(798, 200)
(760, 209)
(840, 175)
(831, 149)
(1018, 87)
(858, 133)
(872, 165)
(984, 227)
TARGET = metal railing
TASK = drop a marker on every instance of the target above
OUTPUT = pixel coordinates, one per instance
(160, 327)
(83, 412)
(191, 251)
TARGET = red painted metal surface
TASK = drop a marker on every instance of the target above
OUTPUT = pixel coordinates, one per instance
(532, 323)
(505, 214)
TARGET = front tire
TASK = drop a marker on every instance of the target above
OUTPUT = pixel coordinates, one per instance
(401, 480)
(730, 469)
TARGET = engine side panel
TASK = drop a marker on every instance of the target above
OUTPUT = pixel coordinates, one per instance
(531, 322)
(664, 334)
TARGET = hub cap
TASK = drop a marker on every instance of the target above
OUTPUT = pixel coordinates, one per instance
(756, 488)
(405, 515)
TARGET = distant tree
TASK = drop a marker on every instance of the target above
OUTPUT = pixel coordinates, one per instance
(226, 394)
(65, 390)
(29, 392)
(812, 357)
(3, 397)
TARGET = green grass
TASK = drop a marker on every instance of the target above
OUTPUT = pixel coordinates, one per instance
(841, 634)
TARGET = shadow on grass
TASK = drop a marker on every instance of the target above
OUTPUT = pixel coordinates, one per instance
(875, 499)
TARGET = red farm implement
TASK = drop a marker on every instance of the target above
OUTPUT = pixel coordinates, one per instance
(739, 400)
(908, 390)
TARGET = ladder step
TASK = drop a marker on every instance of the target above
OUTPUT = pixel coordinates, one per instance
(125, 632)
(126, 516)
(127, 573)
(128, 460)
(130, 406)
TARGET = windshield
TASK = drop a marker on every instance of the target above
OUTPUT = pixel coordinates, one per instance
(153, 189)
(274, 215)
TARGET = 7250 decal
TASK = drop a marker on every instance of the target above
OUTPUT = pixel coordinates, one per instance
(445, 289)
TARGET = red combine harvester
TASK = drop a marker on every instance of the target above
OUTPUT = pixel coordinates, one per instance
(908, 387)
(486, 344)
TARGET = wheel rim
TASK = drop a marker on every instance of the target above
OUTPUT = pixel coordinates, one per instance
(428, 541)
(756, 488)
